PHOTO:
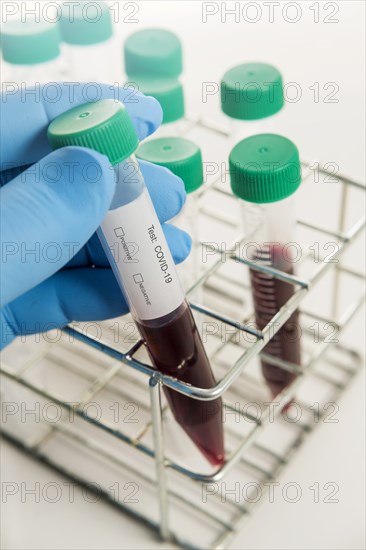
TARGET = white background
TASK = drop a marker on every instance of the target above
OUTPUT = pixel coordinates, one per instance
(305, 52)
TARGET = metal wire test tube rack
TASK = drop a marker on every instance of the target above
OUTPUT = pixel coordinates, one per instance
(258, 446)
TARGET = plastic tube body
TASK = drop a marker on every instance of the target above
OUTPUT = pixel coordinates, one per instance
(171, 129)
(189, 271)
(241, 129)
(135, 245)
(30, 75)
(89, 63)
(270, 242)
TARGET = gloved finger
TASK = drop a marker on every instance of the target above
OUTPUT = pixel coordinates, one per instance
(26, 114)
(166, 190)
(84, 294)
(49, 212)
(10, 174)
(92, 254)
(180, 243)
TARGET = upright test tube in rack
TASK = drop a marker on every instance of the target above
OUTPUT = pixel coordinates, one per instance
(153, 53)
(265, 172)
(169, 93)
(184, 159)
(31, 52)
(86, 32)
(153, 64)
(252, 97)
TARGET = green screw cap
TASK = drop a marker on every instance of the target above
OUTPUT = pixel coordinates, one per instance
(251, 91)
(104, 126)
(264, 168)
(30, 43)
(168, 91)
(180, 155)
(85, 23)
(153, 52)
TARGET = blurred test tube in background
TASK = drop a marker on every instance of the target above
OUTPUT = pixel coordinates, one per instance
(169, 93)
(86, 32)
(252, 98)
(184, 159)
(268, 214)
(30, 51)
(153, 64)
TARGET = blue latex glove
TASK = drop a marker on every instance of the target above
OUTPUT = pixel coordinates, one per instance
(48, 285)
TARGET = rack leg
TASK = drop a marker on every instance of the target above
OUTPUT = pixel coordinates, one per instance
(341, 228)
(155, 397)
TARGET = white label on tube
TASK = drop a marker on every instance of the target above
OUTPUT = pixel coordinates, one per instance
(142, 258)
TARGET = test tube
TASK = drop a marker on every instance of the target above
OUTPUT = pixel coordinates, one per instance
(153, 53)
(184, 159)
(86, 31)
(134, 243)
(252, 97)
(169, 93)
(153, 63)
(265, 173)
(31, 52)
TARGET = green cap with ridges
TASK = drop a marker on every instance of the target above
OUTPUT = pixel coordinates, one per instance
(251, 91)
(168, 91)
(85, 23)
(30, 43)
(153, 52)
(181, 156)
(104, 126)
(264, 168)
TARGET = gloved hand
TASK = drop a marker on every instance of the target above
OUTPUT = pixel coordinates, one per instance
(48, 221)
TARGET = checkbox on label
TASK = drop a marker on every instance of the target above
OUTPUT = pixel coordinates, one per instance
(138, 278)
(119, 232)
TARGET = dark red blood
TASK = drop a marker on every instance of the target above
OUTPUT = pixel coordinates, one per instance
(176, 349)
(269, 295)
